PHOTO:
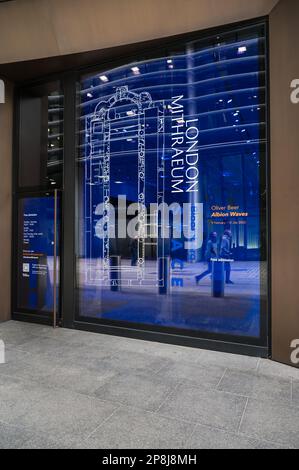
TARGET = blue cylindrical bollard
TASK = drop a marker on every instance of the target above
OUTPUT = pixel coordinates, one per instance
(217, 278)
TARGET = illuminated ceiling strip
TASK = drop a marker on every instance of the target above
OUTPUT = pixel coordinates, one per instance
(183, 55)
(167, 71)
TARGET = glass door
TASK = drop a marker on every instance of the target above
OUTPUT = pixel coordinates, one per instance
(38, 254)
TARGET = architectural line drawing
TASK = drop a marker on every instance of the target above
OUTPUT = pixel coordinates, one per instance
(124, 114)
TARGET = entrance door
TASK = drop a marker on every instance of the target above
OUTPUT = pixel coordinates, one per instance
(38, 250)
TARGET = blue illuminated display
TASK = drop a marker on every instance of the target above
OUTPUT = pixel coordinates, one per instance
(36, 252)
(171, 189)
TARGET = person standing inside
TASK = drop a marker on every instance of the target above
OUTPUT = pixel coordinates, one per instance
(226, 253)
(211, 252)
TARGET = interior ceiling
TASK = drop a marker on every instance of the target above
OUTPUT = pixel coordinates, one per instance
(42, 37)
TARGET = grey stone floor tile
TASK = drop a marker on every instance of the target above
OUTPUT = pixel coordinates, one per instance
(62, 334)
(267, 367)
(231, 361)
(205, 437)
(14, 355)
(27, 371)
(128, 361)
(166, 351)
(256, 385)
(204, 406)
(6, 382)
(81, 381)
(129, 428)
(13, 325)
(17, 337)
(13, 437)
(6, 324)
(42, 345)
(204, 376)
(42, 440)
(48, 359)
(140, 390)
(17, 397)
(94, 341)
(26, 365)
(271, 421)
(97, 340)
(81, 357)
(68, 412)
(69, 356)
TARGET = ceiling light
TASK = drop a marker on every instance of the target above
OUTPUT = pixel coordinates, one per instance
(104, 78)
(135, 70)
(242, 50)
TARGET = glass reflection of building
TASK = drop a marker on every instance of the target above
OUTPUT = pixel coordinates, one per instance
(55, 139)
(221, 82)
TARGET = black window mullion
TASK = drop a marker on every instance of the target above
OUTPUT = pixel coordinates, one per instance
(68, 202)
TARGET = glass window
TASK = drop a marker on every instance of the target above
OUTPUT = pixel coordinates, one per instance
(41, 137)
(171, 227)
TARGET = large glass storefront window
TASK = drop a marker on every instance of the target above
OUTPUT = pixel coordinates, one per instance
(171, 198)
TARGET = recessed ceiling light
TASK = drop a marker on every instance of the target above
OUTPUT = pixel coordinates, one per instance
(135, 70)
(104, 78)
(242, 50)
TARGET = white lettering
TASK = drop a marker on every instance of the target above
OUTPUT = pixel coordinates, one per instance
(295, 92)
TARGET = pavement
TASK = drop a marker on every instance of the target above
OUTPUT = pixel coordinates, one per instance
(73, 389)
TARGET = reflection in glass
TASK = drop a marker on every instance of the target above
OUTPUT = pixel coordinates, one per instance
(41, 137)
(189, 129)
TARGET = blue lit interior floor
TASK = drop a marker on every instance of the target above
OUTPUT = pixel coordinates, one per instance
(188, 307)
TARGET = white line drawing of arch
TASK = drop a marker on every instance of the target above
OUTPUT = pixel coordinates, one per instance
(99, 134)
